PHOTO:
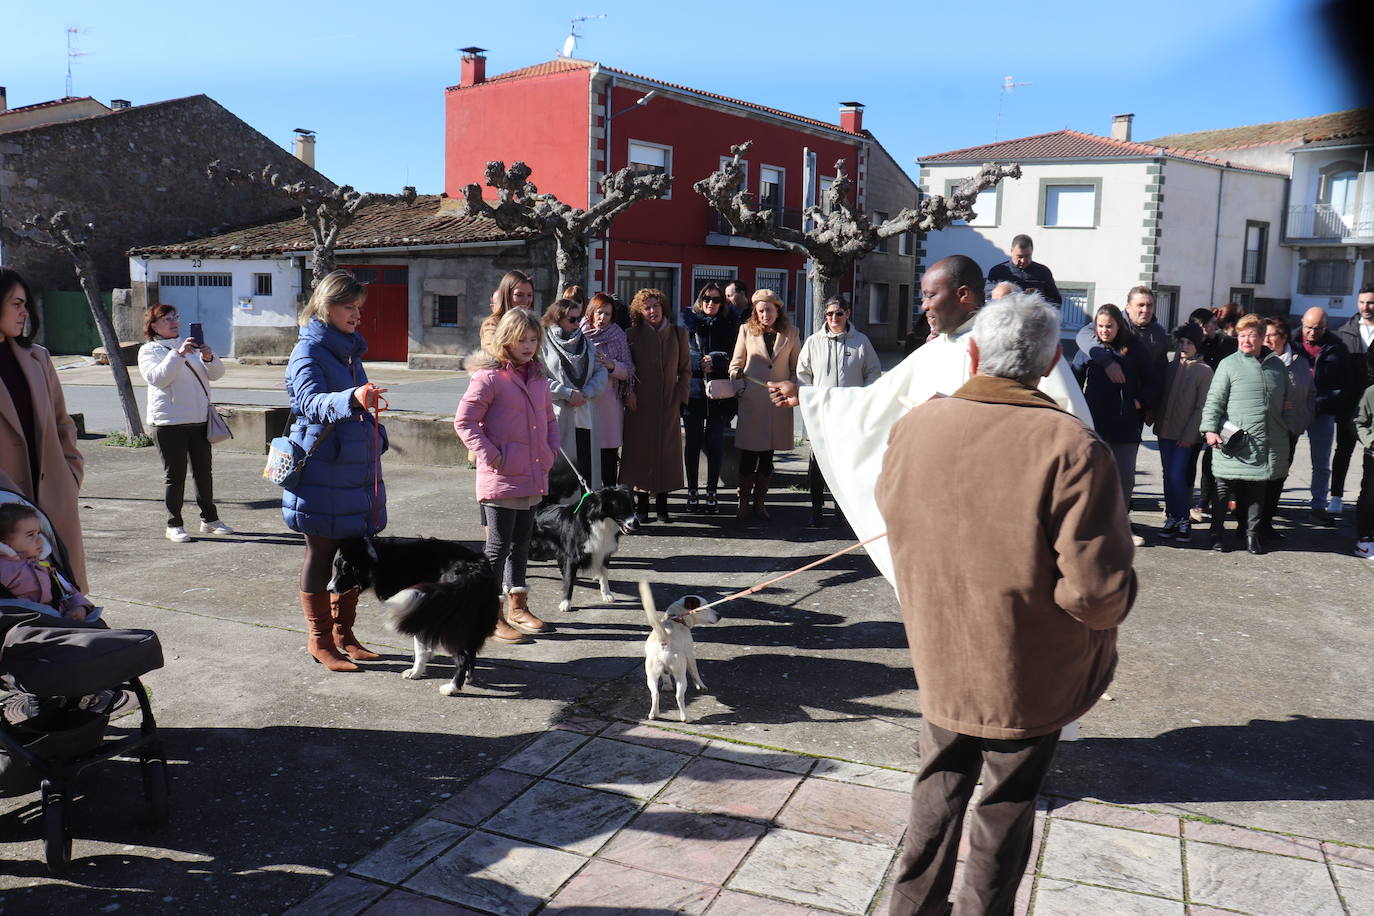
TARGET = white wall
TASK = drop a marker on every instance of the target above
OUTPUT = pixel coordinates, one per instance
(277, 310)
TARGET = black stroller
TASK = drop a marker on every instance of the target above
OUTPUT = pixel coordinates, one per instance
(53, 662)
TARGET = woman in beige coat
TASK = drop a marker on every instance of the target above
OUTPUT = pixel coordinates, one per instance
(766, 350)
(38, 455)
(652, 453)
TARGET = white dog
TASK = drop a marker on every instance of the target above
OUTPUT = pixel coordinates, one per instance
(669, 650)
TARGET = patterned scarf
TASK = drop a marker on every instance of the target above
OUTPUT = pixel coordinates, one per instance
(573, 364)
(611, 341)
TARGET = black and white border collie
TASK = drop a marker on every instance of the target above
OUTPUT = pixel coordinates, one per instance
(441, 593)
(583, 536)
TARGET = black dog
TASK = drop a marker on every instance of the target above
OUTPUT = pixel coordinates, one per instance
(439, 592)
(584, 536)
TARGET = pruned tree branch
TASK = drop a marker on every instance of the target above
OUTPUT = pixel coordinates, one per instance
(519, 207)
(326, 211)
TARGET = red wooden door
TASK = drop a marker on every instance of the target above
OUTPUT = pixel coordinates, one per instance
(386, 315)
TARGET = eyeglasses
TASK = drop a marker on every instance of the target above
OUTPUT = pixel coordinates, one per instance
(834, 314)
(170, 316)
(716, 299)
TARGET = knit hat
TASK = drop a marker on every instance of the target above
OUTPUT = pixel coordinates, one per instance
(1189, 332)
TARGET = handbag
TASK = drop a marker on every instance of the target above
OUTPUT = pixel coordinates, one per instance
(1234, 438)
(286, 459)
(216, 430)
(719, 387)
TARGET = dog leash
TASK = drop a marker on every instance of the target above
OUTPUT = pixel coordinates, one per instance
(586, 490)
(378, 405)
(787, 575)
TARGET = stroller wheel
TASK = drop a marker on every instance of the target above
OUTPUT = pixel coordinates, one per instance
(57, 842)
(156, 789)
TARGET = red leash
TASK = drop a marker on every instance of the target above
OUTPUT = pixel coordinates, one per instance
(378, 405)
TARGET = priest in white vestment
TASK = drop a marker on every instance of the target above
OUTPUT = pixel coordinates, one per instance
(849, 426)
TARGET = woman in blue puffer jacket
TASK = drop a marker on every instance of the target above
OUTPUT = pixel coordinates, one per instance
(340, 494)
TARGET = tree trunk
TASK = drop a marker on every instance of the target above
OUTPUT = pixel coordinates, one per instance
(85, 272)
(823, 288)
(321, 265)
(571, 261)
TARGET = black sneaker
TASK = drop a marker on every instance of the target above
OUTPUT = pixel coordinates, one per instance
(1183, 533)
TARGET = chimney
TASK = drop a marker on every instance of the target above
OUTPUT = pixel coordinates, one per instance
(1121, 126)
(4, 100)
(305, 146)
(852, 117)
(120, 104)
(474, 66)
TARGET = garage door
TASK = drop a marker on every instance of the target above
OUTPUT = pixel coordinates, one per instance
(207, 298)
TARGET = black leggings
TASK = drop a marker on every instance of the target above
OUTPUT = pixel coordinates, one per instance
(1249, 496)
(610, 467)
(319, 562)
(755, 462)
(508, 543)
(176, 444)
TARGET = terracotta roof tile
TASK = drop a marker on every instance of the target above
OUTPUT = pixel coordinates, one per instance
(1355, 122)
(566, 64)
(49, 104)
(378, 226)
(1072, 144)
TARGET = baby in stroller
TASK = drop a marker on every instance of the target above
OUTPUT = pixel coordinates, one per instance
(26, 568)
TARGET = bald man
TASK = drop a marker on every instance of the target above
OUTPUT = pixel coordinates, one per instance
(1330, 363)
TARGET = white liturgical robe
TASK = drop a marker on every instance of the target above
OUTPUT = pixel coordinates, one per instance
(849, 427)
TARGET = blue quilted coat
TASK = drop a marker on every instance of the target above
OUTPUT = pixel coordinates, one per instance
(334, 497)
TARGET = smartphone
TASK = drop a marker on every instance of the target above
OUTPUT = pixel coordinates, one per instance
(198, 333)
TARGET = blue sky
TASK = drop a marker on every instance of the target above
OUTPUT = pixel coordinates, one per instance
(369, 78)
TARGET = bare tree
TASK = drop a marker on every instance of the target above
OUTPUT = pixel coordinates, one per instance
(326, 211)
(520, 207)
(839, 235)
(65, 231)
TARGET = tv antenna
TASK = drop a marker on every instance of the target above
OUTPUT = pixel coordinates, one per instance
(570, 44)
(1007, 86)
(73, 52)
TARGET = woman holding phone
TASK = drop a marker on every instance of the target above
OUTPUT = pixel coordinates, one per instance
(179, 371)
(340, 494)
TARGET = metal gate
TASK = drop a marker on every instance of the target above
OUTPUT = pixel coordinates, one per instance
(206, 298)
(68, 325)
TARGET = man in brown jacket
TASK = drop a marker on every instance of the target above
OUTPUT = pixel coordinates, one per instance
(1013, 558)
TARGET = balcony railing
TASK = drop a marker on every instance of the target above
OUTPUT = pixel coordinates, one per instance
(1323, 221)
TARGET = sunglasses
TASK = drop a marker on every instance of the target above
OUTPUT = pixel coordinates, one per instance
(716, 299)
(834, 314)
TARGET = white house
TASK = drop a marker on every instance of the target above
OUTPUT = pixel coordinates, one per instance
(1327, 227)
(1107, 214)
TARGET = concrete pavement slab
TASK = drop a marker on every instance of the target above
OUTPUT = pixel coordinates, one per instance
(1064, 898)
(705, 847)
(1122, 859)
(814, 870)
(563, 816)
(1258, 882)
(607, 888)
(497, 874)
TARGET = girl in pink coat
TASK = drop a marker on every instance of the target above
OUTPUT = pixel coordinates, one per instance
(506, 419)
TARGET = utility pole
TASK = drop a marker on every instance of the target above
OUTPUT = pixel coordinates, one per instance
(1007, 87)
(73, 52)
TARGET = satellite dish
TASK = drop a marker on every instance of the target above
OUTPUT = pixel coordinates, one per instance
(569, 46)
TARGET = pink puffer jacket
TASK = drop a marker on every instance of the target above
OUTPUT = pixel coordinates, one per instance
(506, 419)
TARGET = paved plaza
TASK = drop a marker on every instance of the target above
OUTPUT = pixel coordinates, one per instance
(1228, 773)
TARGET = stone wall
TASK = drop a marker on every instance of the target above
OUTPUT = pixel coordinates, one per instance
(139, 175)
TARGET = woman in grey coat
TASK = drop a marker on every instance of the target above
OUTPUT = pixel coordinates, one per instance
(837, 356)
(1252, 391)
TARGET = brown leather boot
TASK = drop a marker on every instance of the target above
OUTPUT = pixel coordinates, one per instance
(746, 489)
(519, 614)
(760, 494)
(345, 610)
(320, 625)
(506, 633)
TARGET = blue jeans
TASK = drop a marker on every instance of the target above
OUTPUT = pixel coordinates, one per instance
(1320, 436)
(1177, 462)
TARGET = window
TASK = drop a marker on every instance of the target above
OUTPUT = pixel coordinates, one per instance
(1325, 278)
(879, 217)
(1077, 308)
(1243, 297)
(987, 206)
(776, 280)
(631, 278)
(905, 311)
(1256, 243)
(1166, 306)
(877, 303)
(823, 185)
(1070, 203)
(743, 164)
(770, 189)
(262, 284)
(904, 243)
(651, 159)
(365, 274)
(446, 312)
(704, 273)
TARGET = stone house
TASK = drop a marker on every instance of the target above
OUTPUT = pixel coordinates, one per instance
(138, 173)
(1107, 214)
(430, 275)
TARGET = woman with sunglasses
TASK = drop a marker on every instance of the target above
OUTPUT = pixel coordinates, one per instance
(576, 377)
(837, 356)
(711, 332)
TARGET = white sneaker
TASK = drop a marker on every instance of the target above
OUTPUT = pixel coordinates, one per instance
(1138, 541)
(1335, 507)
(1365, 549)
(178, 534)
(215, 527)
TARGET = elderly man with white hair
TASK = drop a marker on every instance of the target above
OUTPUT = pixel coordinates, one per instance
(1013, 556)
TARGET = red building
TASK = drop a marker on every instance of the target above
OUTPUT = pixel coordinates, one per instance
(574, 120)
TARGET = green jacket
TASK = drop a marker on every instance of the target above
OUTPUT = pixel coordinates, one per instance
(1256, 395)
(1364, 418)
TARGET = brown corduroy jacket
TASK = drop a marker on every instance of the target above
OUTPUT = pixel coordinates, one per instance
(1013, 557)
